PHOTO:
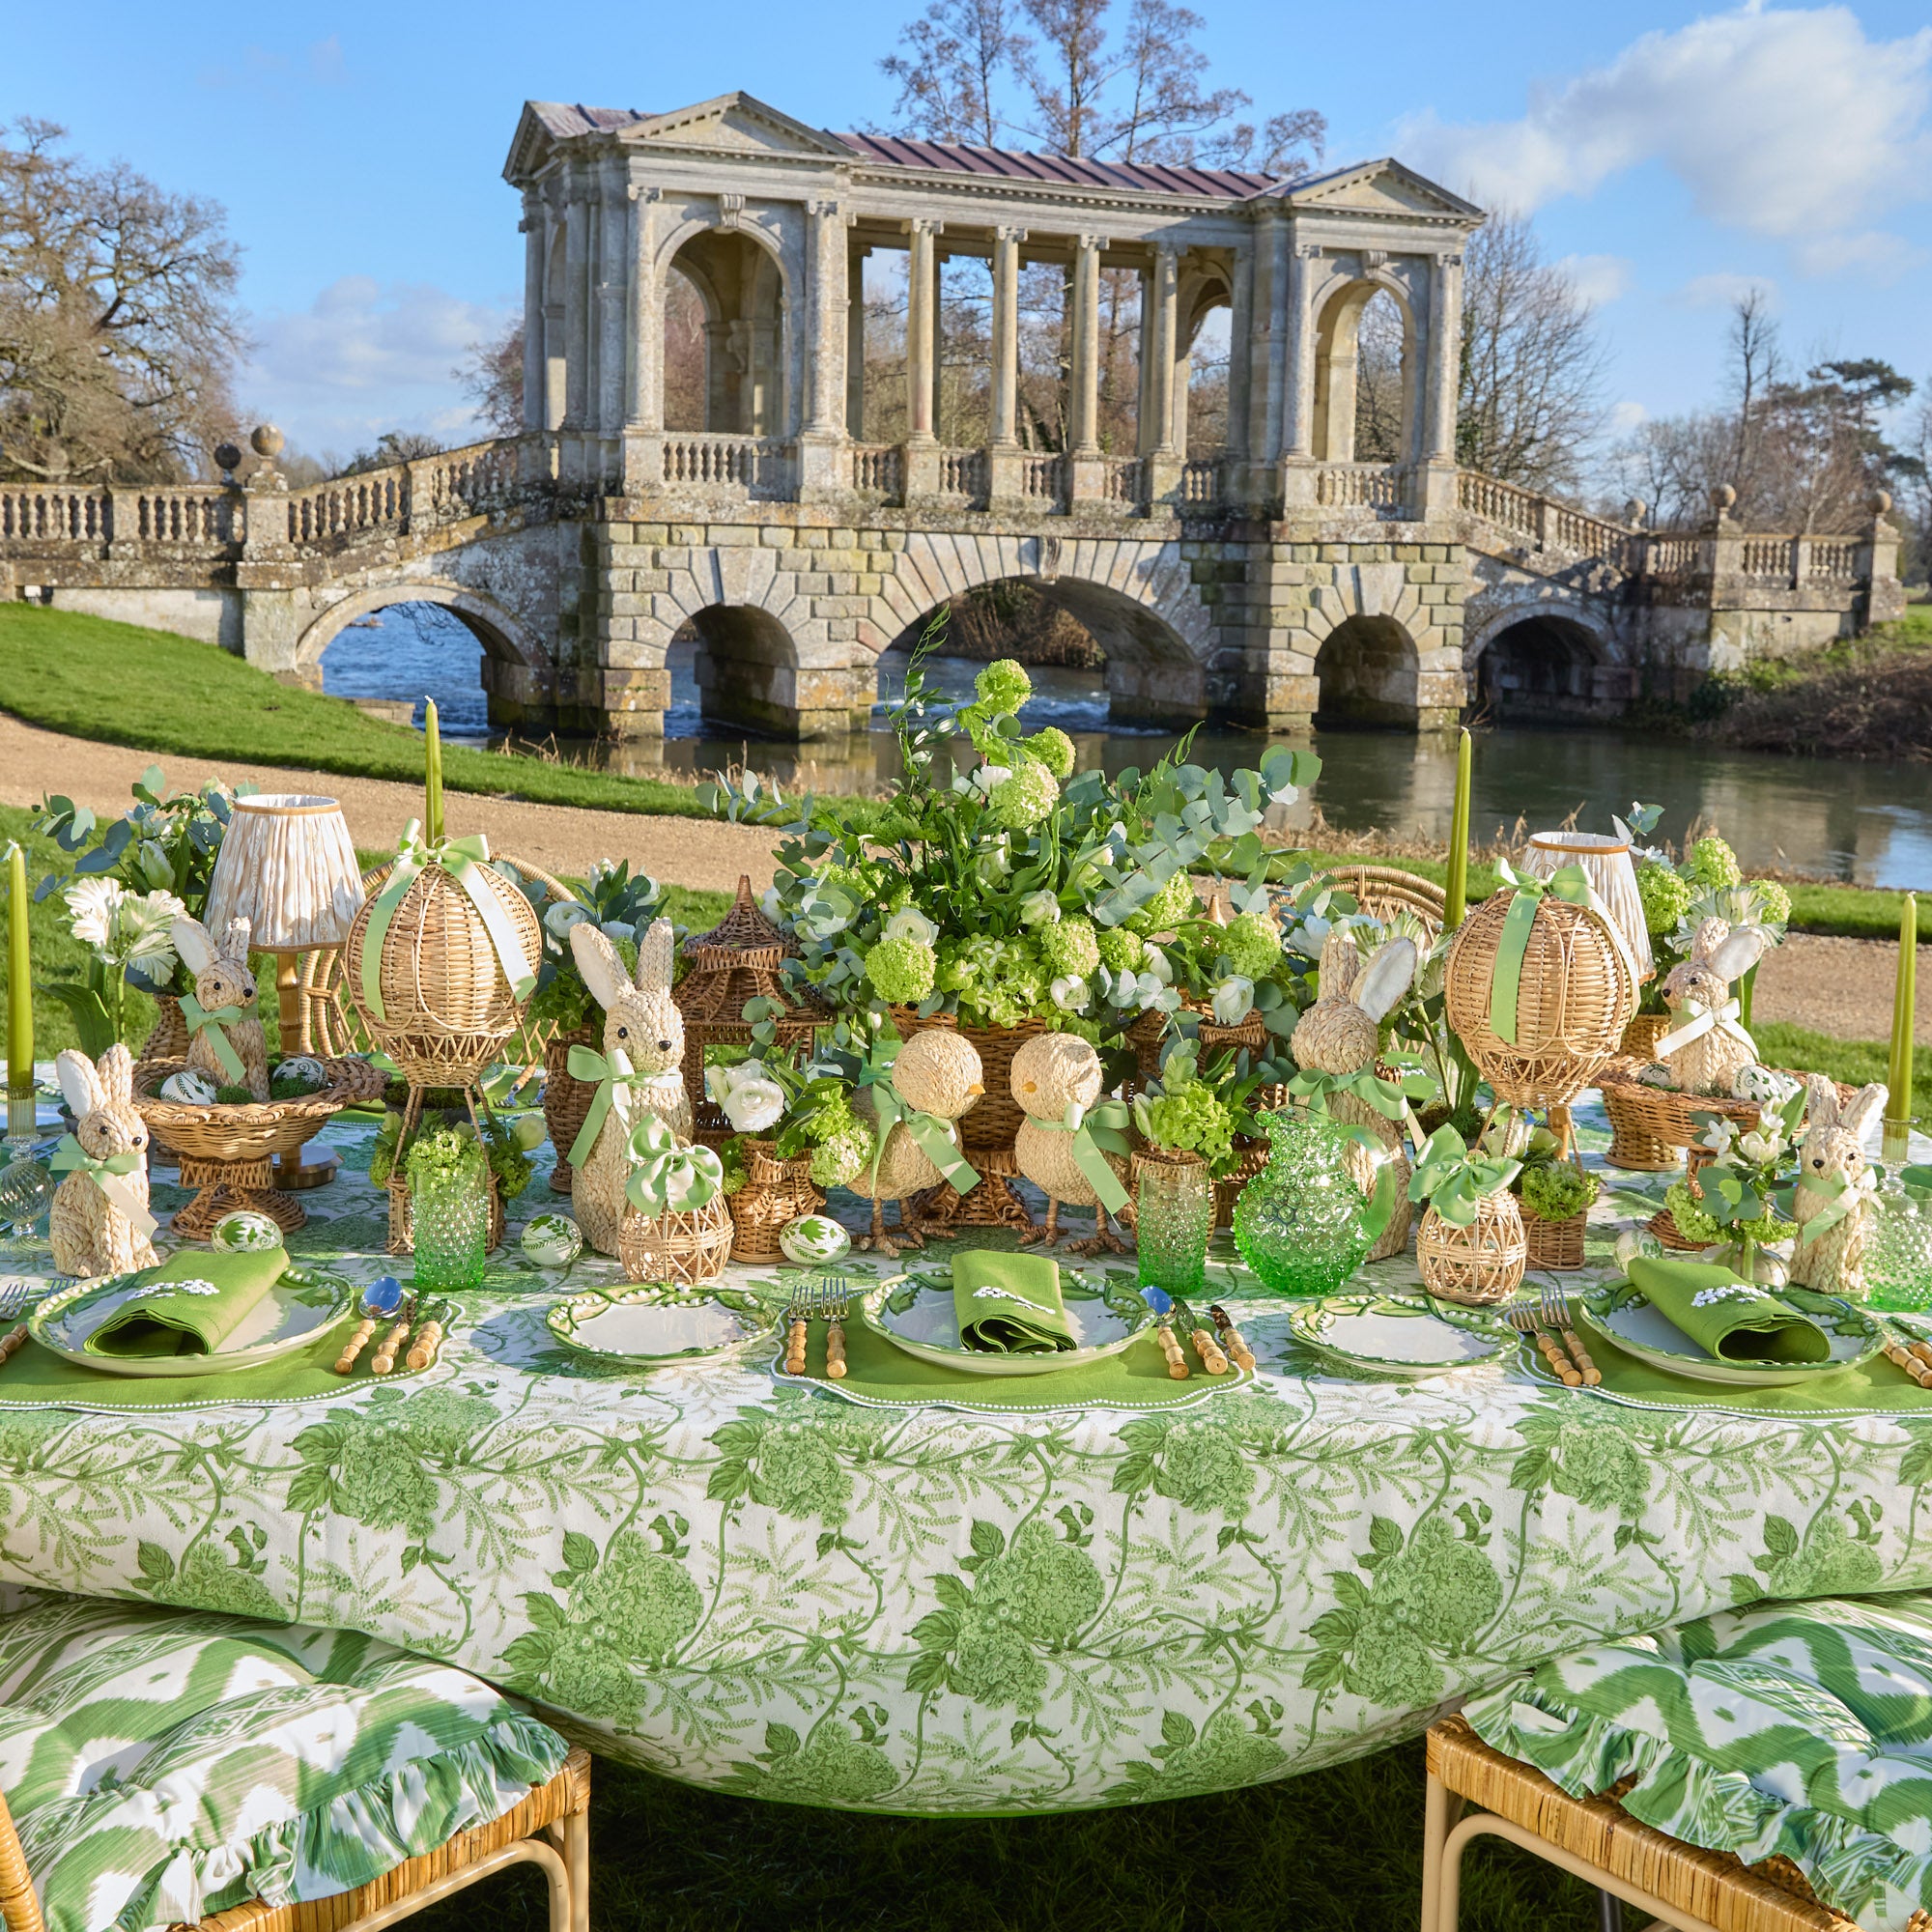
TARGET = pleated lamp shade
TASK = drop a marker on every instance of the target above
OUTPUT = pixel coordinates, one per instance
(1606, 861)
(288, 866)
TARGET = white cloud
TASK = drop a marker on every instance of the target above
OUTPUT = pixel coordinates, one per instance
(1725, 289)
(1784, 123)
(364, 358)
(1597, 278)
(1627, 416)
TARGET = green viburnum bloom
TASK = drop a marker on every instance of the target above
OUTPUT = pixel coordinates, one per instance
(1774, 901)
(797, 1473)
(1042, 1584)
(1169, 906)
(992, 1664)
(1121, 950)
(901, 970)
(638, 1603)
(1053, 748)
(1069, 948)
(1025, 798)
(1003, 687)
(1253, 943)
(1437, 1587)
(838, 1158)
(1600, 1466)
(1202, 1468)
(1666, 897)
(1711, 862)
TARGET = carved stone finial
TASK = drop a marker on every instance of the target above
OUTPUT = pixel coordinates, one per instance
(267, 442)
(1881, 503)
(226, 456)
(1722, 497)
(1634, 512)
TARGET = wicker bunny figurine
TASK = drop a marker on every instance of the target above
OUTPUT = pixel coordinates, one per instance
(100, 1222)
(1832, 1260)
(1337, 1036)
(1706, 1048)
(644, 1051)
(1052, 1072)
(223, 982)
(938, 1072)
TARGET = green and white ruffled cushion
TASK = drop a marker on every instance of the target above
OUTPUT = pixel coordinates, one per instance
(1797, 1728)
(161, 1765)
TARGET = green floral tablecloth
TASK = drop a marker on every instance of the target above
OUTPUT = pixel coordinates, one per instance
(768, 1590)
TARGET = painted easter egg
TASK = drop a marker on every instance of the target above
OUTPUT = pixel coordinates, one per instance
(551, 1241)
(190, 1088)
(301, 1073)
(1764, 1085)
(245, 1232)
(815, 1240)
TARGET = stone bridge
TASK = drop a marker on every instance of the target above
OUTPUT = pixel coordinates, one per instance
(1269, 581)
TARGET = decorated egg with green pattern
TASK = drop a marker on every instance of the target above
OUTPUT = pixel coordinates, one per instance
(551, 1241)
(245, 1232)
(190, 1088)
(301, 1073)
(815, 1240)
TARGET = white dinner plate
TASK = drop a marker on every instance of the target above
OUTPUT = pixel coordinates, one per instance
(654, 1323)
(914, 1312)
(1621, 1313)
(294, 1311)
(1400, 1335)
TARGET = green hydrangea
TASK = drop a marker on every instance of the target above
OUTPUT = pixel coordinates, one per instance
(1254, 944)
(1069, 946)
(901, 970)
(1600, 1466)
(1390, 1668)
(1712, 864)
(797, 1473)
(839, 1159)
(583, 1677)
(992, 1664)
(1003, 687)
(1202, 1468)
(1773, 902)
(1439, 1588)
(1053, 748)
(1174, 902)
(1666, 897)
(999, 981)
(1227, 1757)
(1191, 1118)
(1046, 1586)
(639, 1603)
(1121, 950)
(833, 1767)
(1027, 798)
(206, 1581)
(1696, 1225)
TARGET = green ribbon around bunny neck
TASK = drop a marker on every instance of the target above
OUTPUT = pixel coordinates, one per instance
(1571, 885)
(1838, 1194)
(111, 1176)
(212, 1020)
(1098, 1131)
(1390, 1099)
(462, 858)
(587, 1065)
(668, 1175)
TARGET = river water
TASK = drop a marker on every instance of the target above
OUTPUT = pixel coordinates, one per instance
(1870, 823)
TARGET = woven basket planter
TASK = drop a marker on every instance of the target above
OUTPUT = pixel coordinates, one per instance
(1478, 1265)
(1641, 1035)
(775, 1192)
(1251, 1157)
(1554, 1245)
(566, 1102)
(167, 1038)
(402, 1223)
(1575, 996)
(1650, 1127)
(676, 1248)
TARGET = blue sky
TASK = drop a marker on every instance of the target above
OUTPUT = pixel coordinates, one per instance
(1675, 154)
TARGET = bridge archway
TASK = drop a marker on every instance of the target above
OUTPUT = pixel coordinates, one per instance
(1338, 368)
(742, 283)
(1368, 670)
(1541, 665)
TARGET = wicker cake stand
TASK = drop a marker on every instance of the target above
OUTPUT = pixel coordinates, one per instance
(225, 1152)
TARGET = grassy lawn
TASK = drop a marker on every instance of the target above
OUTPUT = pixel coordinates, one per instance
(1333, 1851)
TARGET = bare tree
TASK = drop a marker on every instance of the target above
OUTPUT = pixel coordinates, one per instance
(949, 73)
(1531, 366)
(491, 375)
(118, 329)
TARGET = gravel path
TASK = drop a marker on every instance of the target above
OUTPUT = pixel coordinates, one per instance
(561, 838)
(1838, 986)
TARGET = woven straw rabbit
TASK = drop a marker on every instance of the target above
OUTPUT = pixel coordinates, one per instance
(644, 1043)
(937, 1072)
(1832, 1261)
(1050, 1073)
(1339, 1035)
(1698, 994)
(223, 977)
(89, 1232)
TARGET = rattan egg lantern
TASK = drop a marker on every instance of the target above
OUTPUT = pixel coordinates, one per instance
(1576, 994)
(449, 1007)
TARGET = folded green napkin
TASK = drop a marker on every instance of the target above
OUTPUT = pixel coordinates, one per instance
(1010, 1304)
(1727, 1317)
(190, 1304)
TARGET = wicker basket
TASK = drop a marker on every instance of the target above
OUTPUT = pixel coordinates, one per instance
(1382, 890)
(1641, 1035)
(566, 1102)
(1251, 1157)
(1553, 1244)
(1650, 1127)
(225, 1151)
(167, 1038)
(1576, 994)
(676, 1248)
(402, 1221)
(1478, 1265)
(775, 1193)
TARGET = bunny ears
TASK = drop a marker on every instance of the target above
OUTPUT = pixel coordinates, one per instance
(198, 951)
(1822, 1108)
(87, 1089)
(1377, 985)
(603, 965)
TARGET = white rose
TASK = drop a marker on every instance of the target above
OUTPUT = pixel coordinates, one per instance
(1070, 994)
(1039, 909)
(718, 1082)
(1159, 967)
(1760, 1147)
(988, 775)
(909, 923)
(561, 917)
(1234, 1000)
(753, 1105)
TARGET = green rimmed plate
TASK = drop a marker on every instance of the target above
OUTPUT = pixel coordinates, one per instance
(294, 1311)
(655, 1325)
(1398, 1336)
(914, 1312)
(1620, 1314)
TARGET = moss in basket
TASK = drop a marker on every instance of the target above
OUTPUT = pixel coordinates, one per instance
(444, 1153)
(1694, 1225)
(1557, 1190)
(233, 1093)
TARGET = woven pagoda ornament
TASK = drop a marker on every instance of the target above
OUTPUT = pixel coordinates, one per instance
(740, 960)
(1539, 986)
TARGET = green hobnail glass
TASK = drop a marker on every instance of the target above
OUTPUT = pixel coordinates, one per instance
(1898, 1250)
(450, 1214)
(1174, 1217)
(1299, 1223)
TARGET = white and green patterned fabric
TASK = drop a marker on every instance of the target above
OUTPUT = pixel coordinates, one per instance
(1800, 1730)
(160, 1765)
(757, 1587)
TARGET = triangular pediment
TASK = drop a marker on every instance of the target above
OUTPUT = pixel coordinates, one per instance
(1381, 187)
(735, 123)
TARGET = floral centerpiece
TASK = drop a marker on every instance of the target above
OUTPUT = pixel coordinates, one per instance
(1731, 1202)
(1679, 895)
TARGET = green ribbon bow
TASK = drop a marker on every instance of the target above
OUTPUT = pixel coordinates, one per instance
(1570, 884)
(200, 1019)
(1839, 1195)
(1098, 1131)
(1390, 1099)
(587, 1065)
(110, 1175)
(460, 858)
(1452, 1179)
(667, 1175)
(931, 1134)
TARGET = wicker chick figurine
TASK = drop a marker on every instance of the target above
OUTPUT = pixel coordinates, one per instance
(937, 1072)
(1052, 1072)
(1339, 1035)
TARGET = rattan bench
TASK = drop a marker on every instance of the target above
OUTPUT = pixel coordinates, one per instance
(1595, 1838)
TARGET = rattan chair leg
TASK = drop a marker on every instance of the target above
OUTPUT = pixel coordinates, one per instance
(1480, 1823)
(524, 1851)
(19, 1905)
(1441, 1809)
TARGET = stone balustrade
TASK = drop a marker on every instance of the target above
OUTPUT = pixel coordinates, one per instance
(1380, 487)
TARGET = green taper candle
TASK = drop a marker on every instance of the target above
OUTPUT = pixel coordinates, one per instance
(1457, 892)
(432, 775)
(1904, 1005)
(19, 999)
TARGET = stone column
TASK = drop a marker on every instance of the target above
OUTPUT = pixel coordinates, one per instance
(1267, 357)
(613, 292)
(643, 362)
(1240, 353)
(823, 462)
(855, 340)
(575, 309)
(1442, 373)
(532, 227)
(921, 451)
(1087, 476)
(1158, 350)
(1003, 458)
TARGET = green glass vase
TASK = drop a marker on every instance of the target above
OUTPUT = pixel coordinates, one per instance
(449, 1214)
(1898, 1250)
(1174, 1220)
(1300, 1222)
